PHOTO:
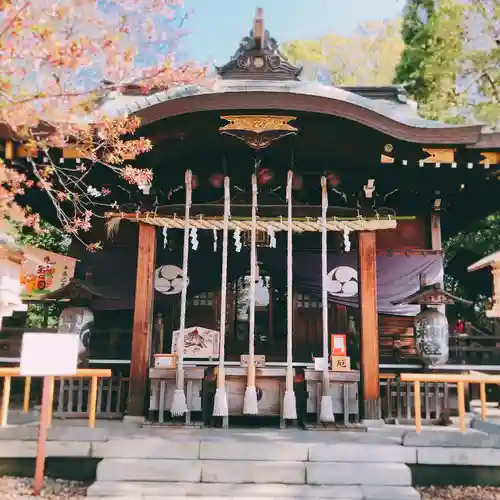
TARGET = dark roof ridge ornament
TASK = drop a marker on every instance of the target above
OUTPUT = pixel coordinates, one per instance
(259, 57)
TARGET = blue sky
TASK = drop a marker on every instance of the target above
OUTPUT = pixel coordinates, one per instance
(217, 26)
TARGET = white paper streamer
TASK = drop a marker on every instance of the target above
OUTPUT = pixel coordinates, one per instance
(214, 232)
(194, 238)
(165, 236)
(347, 241)
(272, 236)
(237, 239)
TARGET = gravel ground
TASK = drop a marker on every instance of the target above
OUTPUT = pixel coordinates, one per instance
(12, 488)
(460, 493)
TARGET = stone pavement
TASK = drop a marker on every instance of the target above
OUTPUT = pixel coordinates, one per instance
(176, 462)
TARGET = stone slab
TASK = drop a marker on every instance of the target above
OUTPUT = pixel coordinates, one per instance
(226, 450)
(28, 449)
(458, 456)
(365, 474)
(362, 453)
(126, 469)
(149, 448)
(213, 490)
(69, 433)
(487, 427)
(237, 472)
(451, 439)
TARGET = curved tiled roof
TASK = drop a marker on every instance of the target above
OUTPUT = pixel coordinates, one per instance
(401, 112)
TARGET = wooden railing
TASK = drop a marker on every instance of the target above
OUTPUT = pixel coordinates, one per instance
(397, 398)
(461, 380)
(8, 373)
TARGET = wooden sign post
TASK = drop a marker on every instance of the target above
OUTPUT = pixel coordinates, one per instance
(47, 355)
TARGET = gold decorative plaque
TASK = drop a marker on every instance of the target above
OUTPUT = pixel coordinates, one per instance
(258, 123)
(439, 155)
(490, 158)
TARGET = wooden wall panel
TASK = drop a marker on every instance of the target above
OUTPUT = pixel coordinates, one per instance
(397, 331)
(409, 234)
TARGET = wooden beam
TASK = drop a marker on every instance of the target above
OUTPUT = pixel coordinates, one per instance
(369, 324)
(143, 320)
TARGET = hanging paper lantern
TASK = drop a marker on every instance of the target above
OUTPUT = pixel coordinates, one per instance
(431, 335)
(217, 180)
(194, 181)
(297, 182)
(333, 179)
(264, 176)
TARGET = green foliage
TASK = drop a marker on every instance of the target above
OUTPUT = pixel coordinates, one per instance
(451, 63)
(417, 36)
(49, 238)
(367, 57)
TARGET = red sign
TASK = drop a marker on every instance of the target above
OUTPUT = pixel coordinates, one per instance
(338, 345)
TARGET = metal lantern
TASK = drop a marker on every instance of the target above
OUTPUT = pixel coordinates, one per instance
(432, 336)
(431, 325)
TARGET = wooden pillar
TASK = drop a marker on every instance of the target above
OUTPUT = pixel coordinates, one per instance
(369, 325)
(143, 320)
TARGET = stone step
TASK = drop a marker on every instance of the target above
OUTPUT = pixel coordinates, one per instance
(129, 490)
(490, 412)
(476, 403)
(160, 448)
(255, 472)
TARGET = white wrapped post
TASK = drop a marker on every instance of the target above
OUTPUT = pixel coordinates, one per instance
(289, 403)
(326, 410)
(220, 401)
(250, 401)
(179, 406)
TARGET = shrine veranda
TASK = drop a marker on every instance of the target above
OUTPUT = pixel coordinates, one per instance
(281, 212)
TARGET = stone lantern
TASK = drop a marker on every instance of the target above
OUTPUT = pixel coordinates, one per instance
(492, 261)
(431, 325)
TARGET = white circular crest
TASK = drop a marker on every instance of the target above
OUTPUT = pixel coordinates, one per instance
(342, 281)
(168, 280)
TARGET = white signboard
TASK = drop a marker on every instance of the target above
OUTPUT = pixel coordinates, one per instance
(199, 342)
(49, 354)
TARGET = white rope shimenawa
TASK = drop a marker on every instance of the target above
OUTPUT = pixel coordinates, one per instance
(250, 401)
(220, 401)
(326, 410)
(179, 406)
(289, 403)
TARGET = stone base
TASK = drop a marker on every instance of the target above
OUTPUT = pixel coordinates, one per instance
(377, 424)
(138, 421)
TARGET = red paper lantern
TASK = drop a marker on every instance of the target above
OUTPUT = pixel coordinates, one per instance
(333, 179)
(297, 182)
(264, 176)
(217, 180)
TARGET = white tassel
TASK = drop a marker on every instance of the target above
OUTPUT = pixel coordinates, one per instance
(289, 406)
(179, 405)
(220, 403)
(326, 411)
(250, 406)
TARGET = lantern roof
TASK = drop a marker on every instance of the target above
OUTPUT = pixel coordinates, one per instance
(431, 295)
(77, 288)
(488, 261)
